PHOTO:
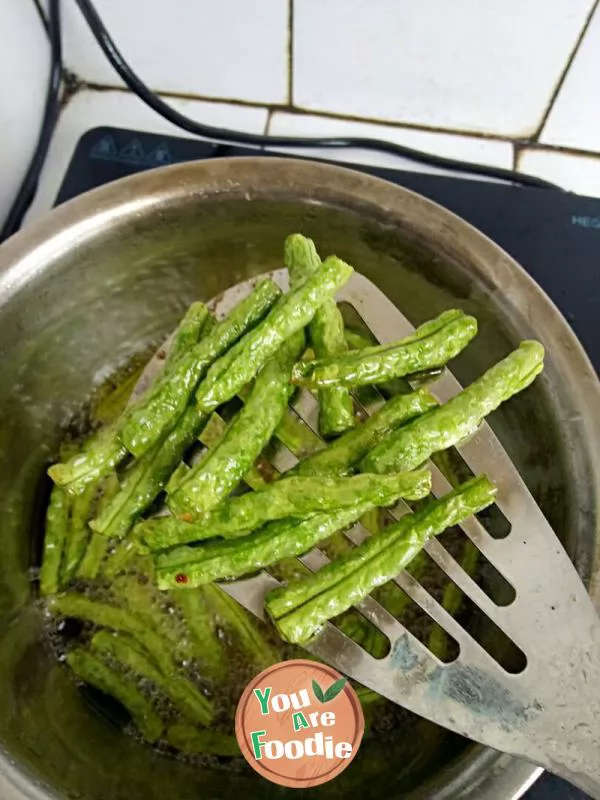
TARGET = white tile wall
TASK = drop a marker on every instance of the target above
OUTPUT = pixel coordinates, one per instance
(24, 65)
(579, 174)
(466, 148)
(574, 120)
(473, 65)
(90, 109)
(235, 49)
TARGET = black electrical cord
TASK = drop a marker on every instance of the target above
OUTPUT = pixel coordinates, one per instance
(134, 83)
(52, 106)
(29, 183)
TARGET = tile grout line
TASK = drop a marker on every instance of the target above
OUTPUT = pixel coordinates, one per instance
(290, 53)
(268, 121)
(273, 108)
(302, 112)
(561, 81)
(515, 158)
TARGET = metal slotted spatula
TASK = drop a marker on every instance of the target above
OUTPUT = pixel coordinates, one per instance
(549, 713)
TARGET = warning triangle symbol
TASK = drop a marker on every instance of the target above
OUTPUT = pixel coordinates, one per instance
(104, 148)
(133, 151)
(160, 156)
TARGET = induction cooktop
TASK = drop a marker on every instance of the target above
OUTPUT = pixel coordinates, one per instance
(554, 235)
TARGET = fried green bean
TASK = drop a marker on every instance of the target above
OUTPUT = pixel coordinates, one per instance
(295, 434)
(238, 621)
(91, 562)
(300, 609)
(137, 593)
(301, 258)
(288, 497)
(179, 689)
(190, 740)
(95, 672)
(459, 418)
(100, 453)
(223, 467)
(326, 332)
(201, 624)
(79, 606)
(79, 531)
(55, 538)
(118, 558)
(431, 345)
(147, 477)
(343, 455)
(194, 566)
(163, 404)
(289, 315)
(212, 434)
(187, 334)
(104, 450)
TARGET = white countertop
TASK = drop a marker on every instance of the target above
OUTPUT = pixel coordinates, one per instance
(502, 82)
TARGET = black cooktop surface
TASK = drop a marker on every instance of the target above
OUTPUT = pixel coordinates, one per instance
(554, 235)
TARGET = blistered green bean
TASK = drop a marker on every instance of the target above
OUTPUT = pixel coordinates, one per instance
(300, 609)
(147, 477)
(79, 531)
(157, 411)
(100, 453)
(55, 538)
(232, 616)
(81, 607)
(194, 566)
(95, 672)
(178, 688)
(225, 465)
(431, 345)
(187, 333)
(97, 547)
(326, 332)
(460, 417)
(289, 315)
(288, 497)
(344, 454)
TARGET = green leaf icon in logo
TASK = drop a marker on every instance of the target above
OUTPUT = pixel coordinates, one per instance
(330, 693)
(318, 692)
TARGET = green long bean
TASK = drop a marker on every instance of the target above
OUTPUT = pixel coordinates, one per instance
(431, 345)
(79, 531)
(326, 332)
(57, 525)
(289, 315)
(187, 333)
(100, 453)
(343, 455)
(179, 689)
(166, 400)
(97, 547)
(459, 418)
(81, 607)
(147, 477)
(194, 566)
(93, 671)
(300, 609)
(288, 497)
(238, 621)
(224, 466)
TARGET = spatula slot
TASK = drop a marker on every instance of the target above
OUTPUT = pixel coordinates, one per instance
(467, 614)
(474, 563)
